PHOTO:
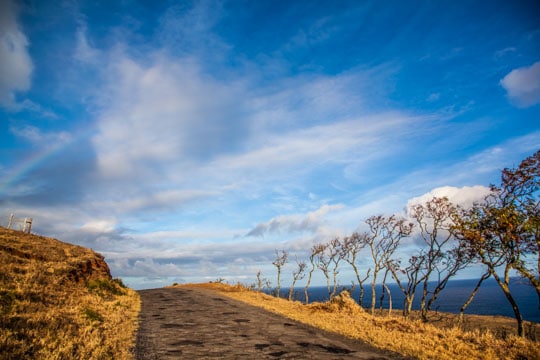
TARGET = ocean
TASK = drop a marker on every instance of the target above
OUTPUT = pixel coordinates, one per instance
(489, 300)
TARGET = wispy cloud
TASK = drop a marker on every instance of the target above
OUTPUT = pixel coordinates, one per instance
(189, 30)
(17, 67)
(157, 200)
(39, 138)
(523, 85)
(166, 110)
(84, 51)
(313, 146)
(296, 223)
(157, 125)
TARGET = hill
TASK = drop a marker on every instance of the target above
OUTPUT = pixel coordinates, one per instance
(59, 301)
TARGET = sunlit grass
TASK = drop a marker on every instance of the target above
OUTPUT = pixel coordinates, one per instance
(49, 310)
(407, 337)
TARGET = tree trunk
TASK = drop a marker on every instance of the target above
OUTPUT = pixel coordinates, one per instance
(504, 286)
(389, 299)
(423, 309)
(291, 290)
(471, 297)
(360, 283)
(373, 294)
(328, 285)
(334, 290)
(306, 297)
(436, 292)
(407, 306)
(278, 289)
(383, 289)
(361, 294)
(381, 298)
(259, 282)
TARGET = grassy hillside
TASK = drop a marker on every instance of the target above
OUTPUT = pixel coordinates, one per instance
(58, 301)
(407, 337)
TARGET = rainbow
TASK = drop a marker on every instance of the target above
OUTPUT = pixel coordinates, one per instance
(17, 173)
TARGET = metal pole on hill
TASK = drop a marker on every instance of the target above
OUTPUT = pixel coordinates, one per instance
(27, 221)
(11, 216)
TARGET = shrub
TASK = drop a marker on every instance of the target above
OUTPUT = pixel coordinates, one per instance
(119, 282)
(106, 287)
(93, 315)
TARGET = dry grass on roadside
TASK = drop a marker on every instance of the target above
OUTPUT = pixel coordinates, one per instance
(407, 337)
(51, 309)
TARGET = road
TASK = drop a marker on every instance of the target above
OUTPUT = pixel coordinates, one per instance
(194, 323)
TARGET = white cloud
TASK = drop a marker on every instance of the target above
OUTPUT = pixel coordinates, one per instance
(305, 149)
(35, 136)
(523, 85)
(99, 226)
(488, 163)
(175, 113)
(464, 196)
(186, 235)
(168, 124)
(310, 222)
(505, 51)
(190, 27)
(16, 68)
(168, 112)
(29, 105)
(161, 200)
(151, 257)
(84, 52)
(146, 267)
(483, 168)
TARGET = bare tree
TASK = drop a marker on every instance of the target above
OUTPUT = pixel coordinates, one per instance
(351, 247)
(452, 261)
(315, 250)
(262, 283)
(335, 255)
(444, 256)
(385, 290)
(297, 274)
(322, 260)
(279, 262)
(414, 275)
(327, 260)
(383, 240)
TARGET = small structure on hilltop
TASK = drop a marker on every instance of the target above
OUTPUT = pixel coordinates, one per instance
(25, 225)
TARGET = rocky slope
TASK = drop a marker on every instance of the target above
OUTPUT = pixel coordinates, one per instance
(59, 300)
(73, 263)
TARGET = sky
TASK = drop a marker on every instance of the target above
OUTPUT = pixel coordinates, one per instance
(186, 141)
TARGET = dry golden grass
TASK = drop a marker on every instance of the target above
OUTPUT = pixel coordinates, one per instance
(407, 337)
(57, 301)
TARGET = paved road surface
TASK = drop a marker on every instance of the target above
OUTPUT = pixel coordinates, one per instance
(185, 323)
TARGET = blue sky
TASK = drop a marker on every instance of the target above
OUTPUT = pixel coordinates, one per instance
(186, 141)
